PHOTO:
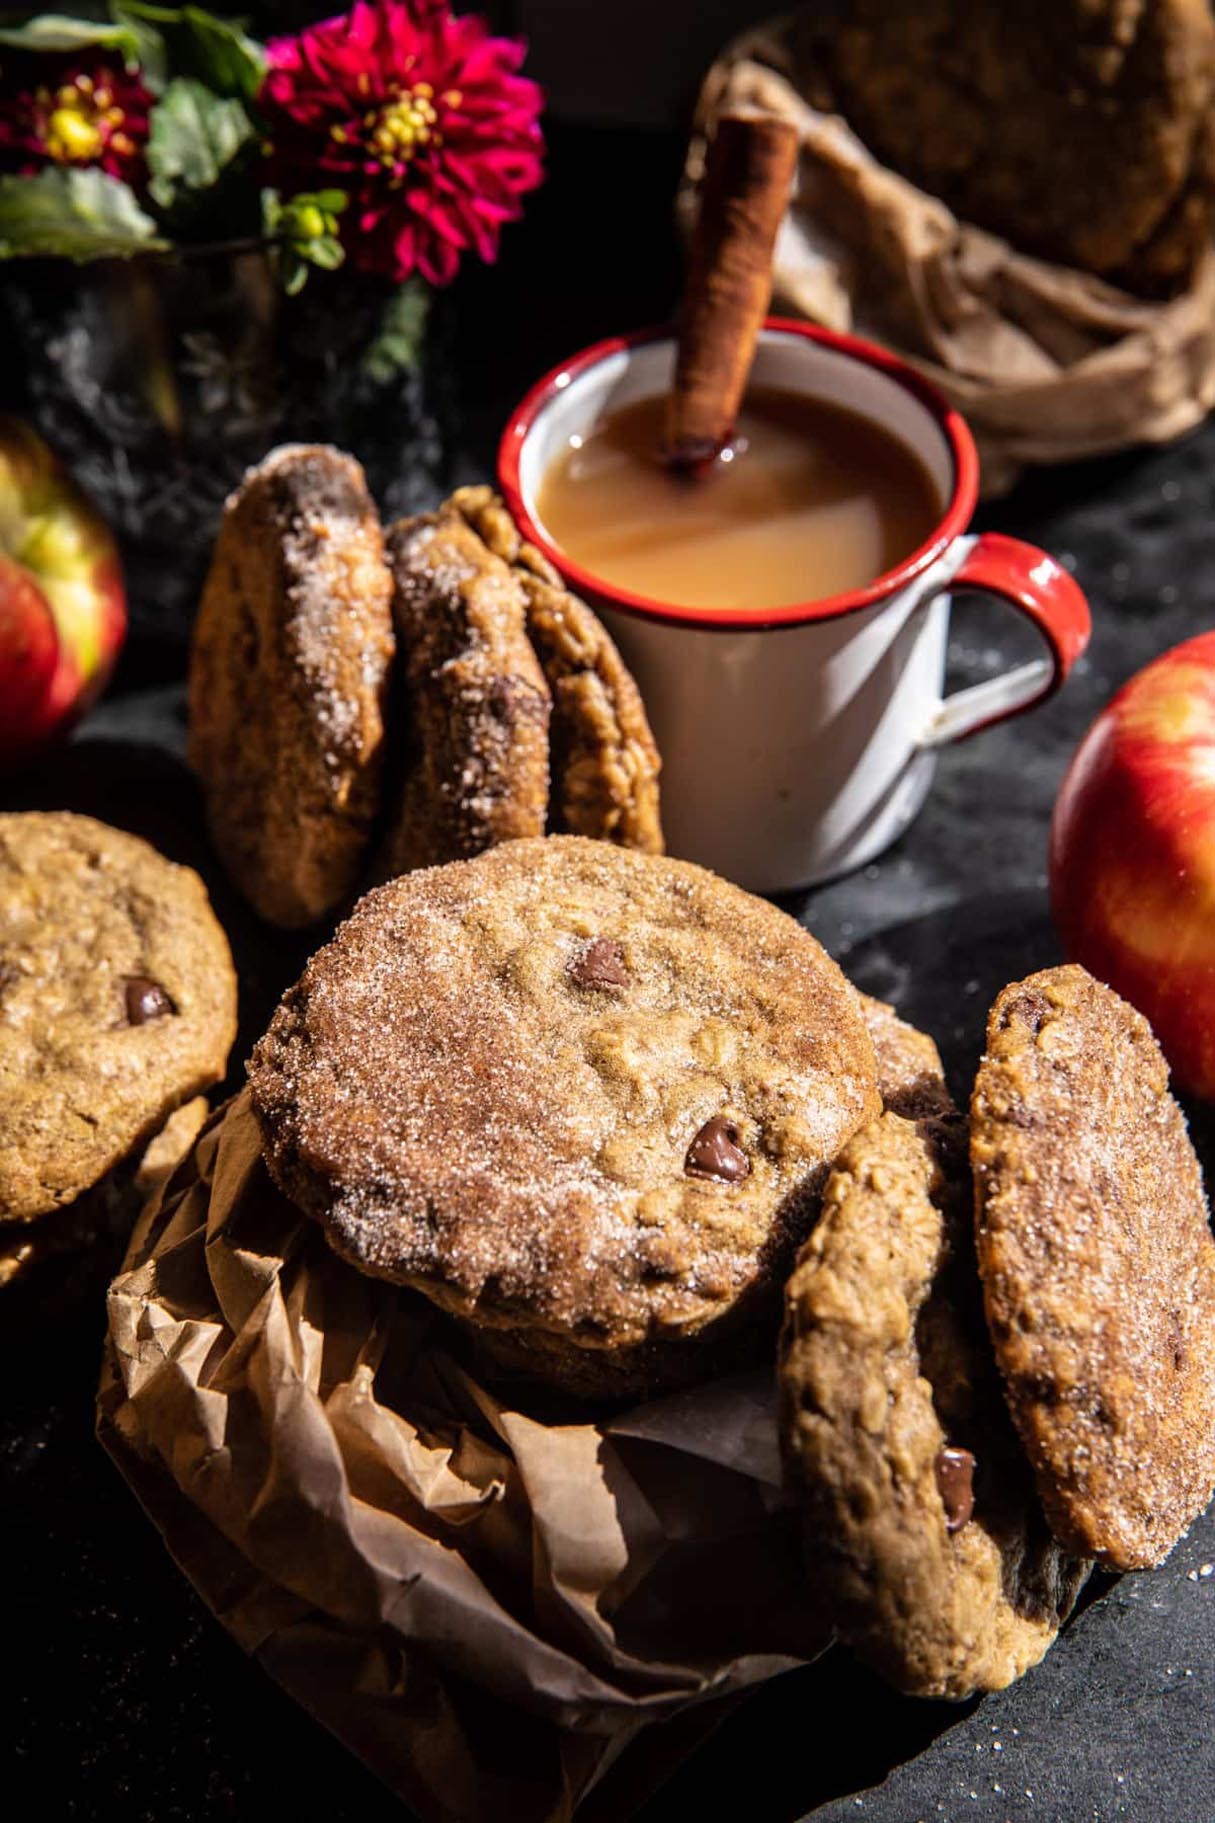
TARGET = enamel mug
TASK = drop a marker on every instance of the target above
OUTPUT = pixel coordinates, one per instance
(798, 742)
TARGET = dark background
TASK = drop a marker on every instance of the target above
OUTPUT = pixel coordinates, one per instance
(126, 1697)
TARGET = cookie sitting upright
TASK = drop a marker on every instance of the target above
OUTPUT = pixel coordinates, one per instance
(288, 682)
(471, 761)
(517, 715)
(604, 760)
(1098, 1266)
(926, 1545)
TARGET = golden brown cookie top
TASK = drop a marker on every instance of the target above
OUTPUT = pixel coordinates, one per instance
(117, 1002)
(604, 760)
(911, 1077)
(1017, 115)
(924, 1539)
(288, 680)
(565, 1086)
(472, 766)
(1098, 1265)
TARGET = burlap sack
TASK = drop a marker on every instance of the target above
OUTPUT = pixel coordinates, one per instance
(503, 1611)
(1046, 363)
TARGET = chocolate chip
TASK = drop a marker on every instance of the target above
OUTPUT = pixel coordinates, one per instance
(146, 1000)
(715, 1152)
(10, 974)
(601, 964)
(955, 1482)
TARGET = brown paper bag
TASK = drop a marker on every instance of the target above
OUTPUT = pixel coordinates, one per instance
(1046, 363)
(501, 1609)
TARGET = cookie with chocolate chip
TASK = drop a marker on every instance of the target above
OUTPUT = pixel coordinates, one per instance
(117, 1003)
(603, 760)
(289, 672)
(925, 1542)
(1098, 1266)
(582, 1097)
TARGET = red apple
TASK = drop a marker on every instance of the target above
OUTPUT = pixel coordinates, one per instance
(1132, 854)
(62, 603)
(29, 657)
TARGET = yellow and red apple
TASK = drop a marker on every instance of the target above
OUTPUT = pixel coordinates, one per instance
(62, 603)
(1132, 854)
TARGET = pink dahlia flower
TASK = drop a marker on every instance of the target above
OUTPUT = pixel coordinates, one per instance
(78, 111)
(420, 117)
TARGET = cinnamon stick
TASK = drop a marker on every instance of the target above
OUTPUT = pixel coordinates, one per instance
(729, 283)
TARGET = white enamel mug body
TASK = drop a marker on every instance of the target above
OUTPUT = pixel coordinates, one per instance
(798, 742)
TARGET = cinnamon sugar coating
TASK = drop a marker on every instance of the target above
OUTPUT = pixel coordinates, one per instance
(1098, 1266)
(466, 1118)
(884, 1364)
(498, 681)
(472, 764)
(604, 761)
(288, 680)
(911, 1077)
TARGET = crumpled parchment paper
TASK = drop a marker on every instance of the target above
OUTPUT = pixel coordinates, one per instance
(505, 1611)
(1046, 363)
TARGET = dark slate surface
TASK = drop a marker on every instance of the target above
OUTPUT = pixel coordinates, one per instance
(127, 1694)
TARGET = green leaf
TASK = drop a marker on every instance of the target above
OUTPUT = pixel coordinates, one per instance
(150, 53)
(194, 134)
(77, 215)
(156, 15)
(214, 51)
(324, 252)
(138, 44)
(54, 32)
(398, 346)
(222, 56)
(294, 273)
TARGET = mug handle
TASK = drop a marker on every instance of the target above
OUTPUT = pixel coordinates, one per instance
(1041, 589)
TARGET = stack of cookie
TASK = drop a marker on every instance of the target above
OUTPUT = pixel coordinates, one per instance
(608, 1112)
(986, 1389)
(117, 1008)
(361, 703)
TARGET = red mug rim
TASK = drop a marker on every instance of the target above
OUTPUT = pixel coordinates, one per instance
(953, 521)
